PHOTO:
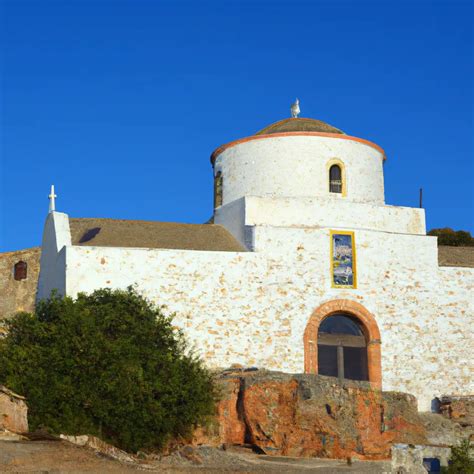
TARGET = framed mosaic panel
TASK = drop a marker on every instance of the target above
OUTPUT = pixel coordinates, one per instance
(343, 260)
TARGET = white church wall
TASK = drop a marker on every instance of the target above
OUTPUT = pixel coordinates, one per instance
(455, 318)
(232, 217)
(252, 308)
(314, 212)
(56, 235)
(297, 166)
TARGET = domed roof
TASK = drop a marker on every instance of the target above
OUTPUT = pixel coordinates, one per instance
(299, 125)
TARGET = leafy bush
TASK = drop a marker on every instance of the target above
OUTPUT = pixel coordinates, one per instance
(108, 364)
(447, 236)
(461, 461)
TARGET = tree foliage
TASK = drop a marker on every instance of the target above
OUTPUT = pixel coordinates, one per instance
(108, 364)
(461, 460)
(455, 238)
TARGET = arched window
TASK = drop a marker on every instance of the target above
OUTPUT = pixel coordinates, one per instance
(218, 189)
(335, 179)
(363, 319)
(20, 270)
(342, 348)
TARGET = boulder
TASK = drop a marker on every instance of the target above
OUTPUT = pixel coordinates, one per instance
(307, 415)
(13, 412)
(458, 408)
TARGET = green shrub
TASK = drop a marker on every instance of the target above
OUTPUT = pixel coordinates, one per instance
(108, 364)
(447, 236)
(461, 461)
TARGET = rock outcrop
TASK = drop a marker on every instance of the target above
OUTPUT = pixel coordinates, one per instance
(13, 412)
(311, 416)
(458, 408)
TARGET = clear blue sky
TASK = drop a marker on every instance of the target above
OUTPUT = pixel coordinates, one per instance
(120, 103)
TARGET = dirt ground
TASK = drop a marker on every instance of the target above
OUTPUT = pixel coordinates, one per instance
(53, 457)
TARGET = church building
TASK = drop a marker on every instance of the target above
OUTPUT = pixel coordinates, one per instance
(303, 267)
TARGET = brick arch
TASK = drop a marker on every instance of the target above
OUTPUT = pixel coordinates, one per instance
(371, 330)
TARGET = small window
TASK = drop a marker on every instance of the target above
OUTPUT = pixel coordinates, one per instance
(20, 270)
(335, 179)
(218, 189)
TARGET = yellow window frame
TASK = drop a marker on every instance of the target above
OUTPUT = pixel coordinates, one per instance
(338, 162)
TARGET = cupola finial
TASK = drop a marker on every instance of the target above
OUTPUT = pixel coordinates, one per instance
(295, 108)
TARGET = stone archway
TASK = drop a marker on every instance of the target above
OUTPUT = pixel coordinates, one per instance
(370, 329)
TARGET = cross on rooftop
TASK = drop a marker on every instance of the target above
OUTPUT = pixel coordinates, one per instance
(52, 196)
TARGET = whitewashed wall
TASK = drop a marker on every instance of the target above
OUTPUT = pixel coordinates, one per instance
(240, 215)
(56, 236)
(296, 166)
(232, 216)
(252, 308)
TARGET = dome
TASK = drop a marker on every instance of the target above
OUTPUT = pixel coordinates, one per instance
(299, 125)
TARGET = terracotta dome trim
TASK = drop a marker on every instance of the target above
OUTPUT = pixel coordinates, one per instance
(339, 136)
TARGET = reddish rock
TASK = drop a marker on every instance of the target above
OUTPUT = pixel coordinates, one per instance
(13, 411)
(228, 427)
(309, 415)
(458, 408)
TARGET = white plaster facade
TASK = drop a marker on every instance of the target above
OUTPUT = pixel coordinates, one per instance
(252, 307)
(296, 166)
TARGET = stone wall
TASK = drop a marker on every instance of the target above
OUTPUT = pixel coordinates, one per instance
(252, 308)
(18, 295)
(414, 459)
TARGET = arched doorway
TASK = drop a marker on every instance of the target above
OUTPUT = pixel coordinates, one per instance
(342, 348)
(359, 320)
